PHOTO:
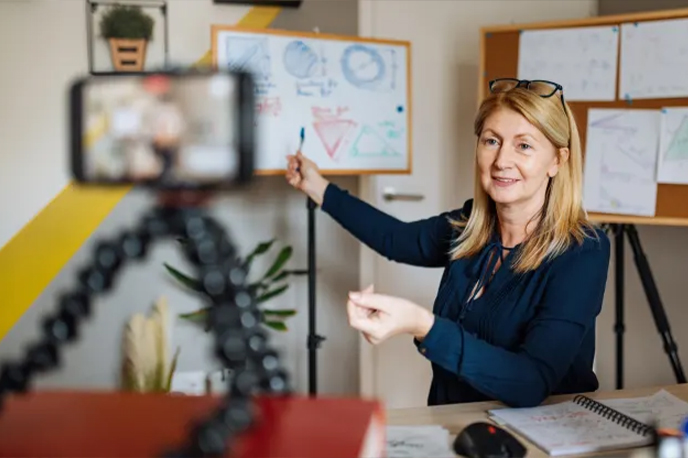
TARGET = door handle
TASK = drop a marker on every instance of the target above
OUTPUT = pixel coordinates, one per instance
(390, 194)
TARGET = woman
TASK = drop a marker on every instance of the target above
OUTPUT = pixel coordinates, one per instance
(524, 270)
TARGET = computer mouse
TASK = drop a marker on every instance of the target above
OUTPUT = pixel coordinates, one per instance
(485, 440)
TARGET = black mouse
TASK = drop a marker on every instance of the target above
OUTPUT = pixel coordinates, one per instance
(485, 440)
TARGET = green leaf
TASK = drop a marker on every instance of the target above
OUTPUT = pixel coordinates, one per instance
(276, 325)
(271, 294)
(281, 259)
(279, 313)
(173, 367)
(199, 316)
(184, 279)
(261, 248)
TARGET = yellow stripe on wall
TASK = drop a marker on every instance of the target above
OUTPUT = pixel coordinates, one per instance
(37, 253)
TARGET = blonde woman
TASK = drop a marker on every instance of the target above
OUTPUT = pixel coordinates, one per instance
(524, 269)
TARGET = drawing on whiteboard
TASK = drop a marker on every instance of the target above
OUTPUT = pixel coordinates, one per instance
(332, 129)
(252, 55)
(371, 143)
(392, 131)
(300, 60)
(314, 88)
(271, 106)
(369, 68)
(620, 161)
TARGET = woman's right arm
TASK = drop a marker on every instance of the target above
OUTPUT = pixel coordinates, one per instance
(421, 243)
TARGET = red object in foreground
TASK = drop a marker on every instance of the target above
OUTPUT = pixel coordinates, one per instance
(104, 424)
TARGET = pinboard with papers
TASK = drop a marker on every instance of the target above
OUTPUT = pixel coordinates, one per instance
(624, 79)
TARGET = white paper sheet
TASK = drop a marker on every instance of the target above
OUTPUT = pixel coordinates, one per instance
(621, 161)
(662, 408)
(429, 441)
(654, 58)
(672, 165)
(582, 60)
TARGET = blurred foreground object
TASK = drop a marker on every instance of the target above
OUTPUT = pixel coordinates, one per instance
(121, 425)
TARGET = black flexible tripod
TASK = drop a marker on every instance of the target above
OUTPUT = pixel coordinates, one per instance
(653, 299)
(240, 342)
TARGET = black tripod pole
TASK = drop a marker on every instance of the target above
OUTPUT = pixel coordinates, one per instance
(314, 339)
(658, 314)
(619, 299)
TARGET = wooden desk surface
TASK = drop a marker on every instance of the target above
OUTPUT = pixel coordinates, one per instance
(456, 417)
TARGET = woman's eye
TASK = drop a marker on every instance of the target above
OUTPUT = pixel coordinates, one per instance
(490, 141)
(525, 146)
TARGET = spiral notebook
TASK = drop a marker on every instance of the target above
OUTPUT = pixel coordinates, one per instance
(585, 425)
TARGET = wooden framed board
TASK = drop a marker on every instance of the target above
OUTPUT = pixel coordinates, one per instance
(352, 97)
(499, 50)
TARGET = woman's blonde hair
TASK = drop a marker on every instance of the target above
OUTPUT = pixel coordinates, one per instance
(562, 219)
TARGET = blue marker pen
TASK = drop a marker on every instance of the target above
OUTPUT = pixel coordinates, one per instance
(303, 136)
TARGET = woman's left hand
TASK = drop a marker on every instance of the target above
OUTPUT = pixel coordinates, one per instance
(380, 317)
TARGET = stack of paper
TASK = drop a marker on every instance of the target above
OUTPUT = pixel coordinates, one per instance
(431, 441)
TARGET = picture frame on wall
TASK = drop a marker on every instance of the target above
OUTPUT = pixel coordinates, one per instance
(280, 3)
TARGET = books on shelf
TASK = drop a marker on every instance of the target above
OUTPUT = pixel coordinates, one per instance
(586, 425)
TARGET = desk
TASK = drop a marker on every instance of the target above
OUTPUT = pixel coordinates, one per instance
(458, 416)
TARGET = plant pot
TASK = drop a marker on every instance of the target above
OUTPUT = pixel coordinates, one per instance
(128, 55)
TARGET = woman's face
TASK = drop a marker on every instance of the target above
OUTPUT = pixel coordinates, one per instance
(515, 160)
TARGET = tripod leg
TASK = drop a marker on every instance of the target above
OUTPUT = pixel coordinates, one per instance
(658, 314)
(619, 327)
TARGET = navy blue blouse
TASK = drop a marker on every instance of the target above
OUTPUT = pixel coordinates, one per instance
(527, 336)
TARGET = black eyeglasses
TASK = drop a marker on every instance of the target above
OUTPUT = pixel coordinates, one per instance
(543, 88)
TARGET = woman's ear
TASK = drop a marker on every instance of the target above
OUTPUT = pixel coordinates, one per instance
(561, 158)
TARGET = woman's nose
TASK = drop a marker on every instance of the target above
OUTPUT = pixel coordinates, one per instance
(503, 159)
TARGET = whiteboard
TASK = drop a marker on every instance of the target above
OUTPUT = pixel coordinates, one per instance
(351, 96)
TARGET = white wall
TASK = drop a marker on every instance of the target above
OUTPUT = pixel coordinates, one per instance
(43, 47)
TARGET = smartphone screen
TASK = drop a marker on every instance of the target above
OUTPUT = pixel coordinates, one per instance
(174, 130)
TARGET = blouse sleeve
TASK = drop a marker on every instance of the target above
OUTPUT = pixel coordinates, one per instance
(423, 243)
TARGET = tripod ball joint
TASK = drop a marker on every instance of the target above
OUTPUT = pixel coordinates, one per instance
(234, 320)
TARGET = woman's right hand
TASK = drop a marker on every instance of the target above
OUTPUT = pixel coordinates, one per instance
(303, 174)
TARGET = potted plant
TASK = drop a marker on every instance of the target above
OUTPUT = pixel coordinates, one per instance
(271, 284)
(128, 30)
(147, 366)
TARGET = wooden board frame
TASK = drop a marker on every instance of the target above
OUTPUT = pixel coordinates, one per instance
(499, 58)
(217, 28)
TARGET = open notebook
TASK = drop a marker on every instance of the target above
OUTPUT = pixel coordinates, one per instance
(585, 425)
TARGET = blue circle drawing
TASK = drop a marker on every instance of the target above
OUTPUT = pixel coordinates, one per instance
(400, 109)
(299, 59)
(363, 66)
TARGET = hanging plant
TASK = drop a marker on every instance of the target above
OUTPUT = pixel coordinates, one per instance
(128, 30)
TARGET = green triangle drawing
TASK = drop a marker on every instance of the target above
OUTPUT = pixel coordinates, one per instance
(372, 144)
(678, 148)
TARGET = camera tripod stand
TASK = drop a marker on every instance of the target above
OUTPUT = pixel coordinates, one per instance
(620, 231)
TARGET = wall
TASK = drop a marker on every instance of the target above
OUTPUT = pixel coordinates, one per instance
(48, 38)
(666, 248)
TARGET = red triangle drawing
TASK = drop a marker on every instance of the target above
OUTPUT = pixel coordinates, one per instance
(332, 132)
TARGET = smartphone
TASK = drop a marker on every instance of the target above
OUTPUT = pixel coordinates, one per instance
(169, 130)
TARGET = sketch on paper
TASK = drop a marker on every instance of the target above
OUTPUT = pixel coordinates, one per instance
(251, 54)
(654, 58)
(582, 60)
(370, 68)
(620, 161)
(673, 146)
(332, 129)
